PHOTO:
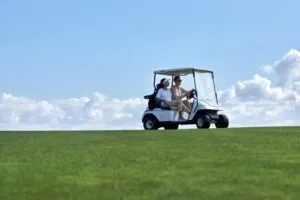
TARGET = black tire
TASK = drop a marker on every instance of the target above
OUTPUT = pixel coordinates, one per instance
(202, 121)
(150, 123)
(171, 126)
(223, 122)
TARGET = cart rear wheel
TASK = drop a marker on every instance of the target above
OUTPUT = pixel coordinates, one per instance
(150, 123)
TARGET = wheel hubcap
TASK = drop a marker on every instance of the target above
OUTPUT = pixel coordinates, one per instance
(149, 124)
(200, 121)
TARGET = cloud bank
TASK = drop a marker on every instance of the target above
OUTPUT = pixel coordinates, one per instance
(259, 101)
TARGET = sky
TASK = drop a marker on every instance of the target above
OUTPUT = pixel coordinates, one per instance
(73, 64)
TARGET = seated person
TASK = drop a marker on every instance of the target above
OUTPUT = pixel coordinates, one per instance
(178, 93)
(165, 96)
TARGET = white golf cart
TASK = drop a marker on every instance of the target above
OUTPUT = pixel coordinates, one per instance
(204, 109)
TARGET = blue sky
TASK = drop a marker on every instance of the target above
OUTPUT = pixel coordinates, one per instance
(61, 49)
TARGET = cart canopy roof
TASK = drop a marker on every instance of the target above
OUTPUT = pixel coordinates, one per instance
(181, 71)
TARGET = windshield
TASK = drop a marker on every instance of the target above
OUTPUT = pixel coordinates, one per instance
(205, 87)
(204, 84)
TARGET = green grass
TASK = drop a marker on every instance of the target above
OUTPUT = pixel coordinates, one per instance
(253, 163)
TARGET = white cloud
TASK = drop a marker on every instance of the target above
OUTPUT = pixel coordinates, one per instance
(268, 69)
(287, 69)
(258, 101)
(258, 88)
(254, 102)
(95, 112)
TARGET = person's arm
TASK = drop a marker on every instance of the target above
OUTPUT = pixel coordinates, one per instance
(185, 92)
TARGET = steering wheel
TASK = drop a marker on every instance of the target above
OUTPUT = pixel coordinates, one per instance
(193, 94)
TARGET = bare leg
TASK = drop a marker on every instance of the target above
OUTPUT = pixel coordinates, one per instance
(186, 109)
(187, 104)
(175, 104)
(179, 106)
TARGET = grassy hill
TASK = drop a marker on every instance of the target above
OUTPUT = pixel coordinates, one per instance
(245, 163)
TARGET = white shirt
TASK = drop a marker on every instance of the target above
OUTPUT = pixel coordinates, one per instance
(164, 94)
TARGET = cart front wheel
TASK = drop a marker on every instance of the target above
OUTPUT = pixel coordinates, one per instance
(203, 121)
(223, 122)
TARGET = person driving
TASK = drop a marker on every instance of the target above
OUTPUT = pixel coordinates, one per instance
(179, 93)
(164, 94)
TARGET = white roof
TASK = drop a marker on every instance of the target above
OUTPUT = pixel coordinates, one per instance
(180, 71)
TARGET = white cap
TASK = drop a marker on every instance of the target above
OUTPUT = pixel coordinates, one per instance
(164, 80)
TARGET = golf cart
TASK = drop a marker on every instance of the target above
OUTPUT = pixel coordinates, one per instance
(204, 110)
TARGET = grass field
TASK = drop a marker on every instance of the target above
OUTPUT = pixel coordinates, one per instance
(246, 163)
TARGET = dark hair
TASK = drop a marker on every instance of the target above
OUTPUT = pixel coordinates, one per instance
(176, 78)
(162, 81)
(159, 85)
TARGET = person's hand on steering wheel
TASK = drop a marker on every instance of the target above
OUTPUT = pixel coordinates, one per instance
(191, 94)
